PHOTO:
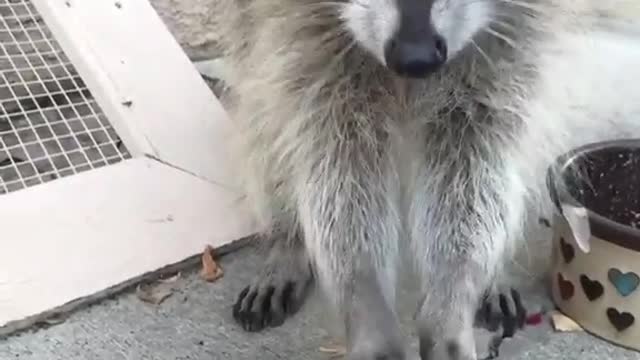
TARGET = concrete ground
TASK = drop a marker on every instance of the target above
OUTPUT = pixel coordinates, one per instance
(195, 323)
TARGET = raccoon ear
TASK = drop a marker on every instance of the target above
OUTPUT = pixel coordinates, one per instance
(578, 219)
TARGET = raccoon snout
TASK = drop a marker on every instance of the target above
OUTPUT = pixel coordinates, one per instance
(416, 58)
(416, 49)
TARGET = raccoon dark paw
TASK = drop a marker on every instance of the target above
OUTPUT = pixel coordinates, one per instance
(279, 292)
(502, 309)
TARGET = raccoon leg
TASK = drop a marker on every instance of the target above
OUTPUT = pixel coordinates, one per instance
(348, 211)
(461, 223)
(280, 289)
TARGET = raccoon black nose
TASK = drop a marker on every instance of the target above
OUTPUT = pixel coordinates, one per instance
(416, 58)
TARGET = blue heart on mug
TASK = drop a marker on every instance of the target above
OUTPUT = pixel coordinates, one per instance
(625, 283)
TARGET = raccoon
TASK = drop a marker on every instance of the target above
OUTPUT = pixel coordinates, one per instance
(371, 127)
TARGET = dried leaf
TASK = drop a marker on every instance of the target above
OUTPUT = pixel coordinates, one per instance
(154, 294)
(172, 279)
(211, 271)
(55, 320)
(562, 323)
(334, 351)
(52, 320)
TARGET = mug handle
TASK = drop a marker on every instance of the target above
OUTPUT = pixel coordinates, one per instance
(578, 219)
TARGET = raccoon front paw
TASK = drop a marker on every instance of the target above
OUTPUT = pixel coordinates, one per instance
(502, 308)
(446, 333)
(278, 292)
(439, 347)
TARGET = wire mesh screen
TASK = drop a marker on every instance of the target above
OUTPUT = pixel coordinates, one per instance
(50, 125)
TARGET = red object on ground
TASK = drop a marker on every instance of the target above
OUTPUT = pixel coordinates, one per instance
(534, 319)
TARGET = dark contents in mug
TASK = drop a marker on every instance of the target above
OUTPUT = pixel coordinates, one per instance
(609, 184)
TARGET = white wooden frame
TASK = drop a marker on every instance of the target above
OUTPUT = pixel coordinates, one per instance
(79, 235)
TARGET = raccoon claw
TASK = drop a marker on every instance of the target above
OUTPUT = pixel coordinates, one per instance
(268, 302)
(502, 309)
